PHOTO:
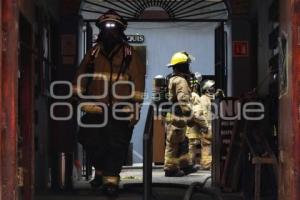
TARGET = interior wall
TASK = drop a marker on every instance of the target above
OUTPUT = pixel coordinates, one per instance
(27, 7)
(163, 39)
(244, 68)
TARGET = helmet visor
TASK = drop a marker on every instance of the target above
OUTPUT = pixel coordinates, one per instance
(191, 58)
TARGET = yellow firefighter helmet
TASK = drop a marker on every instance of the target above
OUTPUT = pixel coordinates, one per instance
(180, 58)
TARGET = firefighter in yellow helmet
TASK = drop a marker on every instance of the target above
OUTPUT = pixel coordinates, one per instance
(177, 160)
(113, 64)
(199, 129)
(208, 94)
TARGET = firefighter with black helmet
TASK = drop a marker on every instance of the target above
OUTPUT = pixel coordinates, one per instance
(208, 94)
(195, 132)
(117, 83)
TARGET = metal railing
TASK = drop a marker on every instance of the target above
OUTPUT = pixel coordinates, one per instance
(147, 154)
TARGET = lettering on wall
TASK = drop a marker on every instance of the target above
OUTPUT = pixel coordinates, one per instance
(136, 38)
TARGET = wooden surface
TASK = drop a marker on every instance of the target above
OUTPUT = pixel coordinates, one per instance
(295, 173)
(158, 141)
(289, 137)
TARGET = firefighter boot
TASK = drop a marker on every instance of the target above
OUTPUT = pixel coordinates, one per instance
(111, 190)
(190, 169)
(111, 186)
(174, 173)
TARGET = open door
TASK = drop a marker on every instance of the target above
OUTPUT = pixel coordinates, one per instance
(25, 140)
(220, 58)
(221, 83)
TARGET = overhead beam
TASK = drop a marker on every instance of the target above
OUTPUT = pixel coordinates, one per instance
(127, 4)
(142, 3)
(168, 7)
(188, 6)
(128, 9)
(138, 6)
(178, 5)
(163, 4)
(167, 20)
(203, 13)
(228, 6)
(92, 11)
(198, 9)
(166, 3)
(106, 7)
(133, 9)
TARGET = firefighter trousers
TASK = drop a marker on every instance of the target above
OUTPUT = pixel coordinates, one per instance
(206, 156)
(107, 146)
(194, 148)
(176, 152)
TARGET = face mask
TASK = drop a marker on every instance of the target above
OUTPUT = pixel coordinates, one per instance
(211, 90)
(110, 39)
(111, 32)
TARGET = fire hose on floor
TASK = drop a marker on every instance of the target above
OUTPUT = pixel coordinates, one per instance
(200, 187)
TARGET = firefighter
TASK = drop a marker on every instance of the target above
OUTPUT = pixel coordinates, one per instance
(177, 161)
(112, 100)
(196, 132)
(195, 82)
(208, 94)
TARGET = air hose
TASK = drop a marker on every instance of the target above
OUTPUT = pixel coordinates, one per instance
(199, 187)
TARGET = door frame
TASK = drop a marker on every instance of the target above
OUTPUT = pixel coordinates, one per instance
(26, 107)
(9, 106)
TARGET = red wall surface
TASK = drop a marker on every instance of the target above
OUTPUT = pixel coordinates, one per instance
(9, 98)
(296, 97)
(289, 119)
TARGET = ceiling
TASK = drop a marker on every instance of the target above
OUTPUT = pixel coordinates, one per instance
(159, 10)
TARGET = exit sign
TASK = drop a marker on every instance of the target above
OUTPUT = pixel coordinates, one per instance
(240, 48)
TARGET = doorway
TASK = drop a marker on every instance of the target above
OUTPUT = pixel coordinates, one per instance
(25, 141)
